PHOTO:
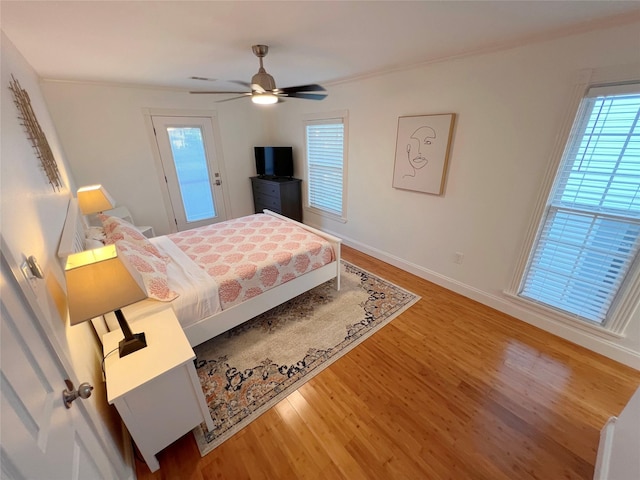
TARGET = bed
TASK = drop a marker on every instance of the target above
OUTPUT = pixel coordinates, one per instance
(215, 294)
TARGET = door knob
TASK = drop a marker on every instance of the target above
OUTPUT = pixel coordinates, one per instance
(70, 393)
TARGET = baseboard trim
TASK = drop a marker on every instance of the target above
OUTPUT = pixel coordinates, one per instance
(603, 460)
(580, 337)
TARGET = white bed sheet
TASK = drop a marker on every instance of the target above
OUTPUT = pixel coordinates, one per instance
(198, 291)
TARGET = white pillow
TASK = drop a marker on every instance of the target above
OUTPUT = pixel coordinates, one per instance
(91, 243)
(95, 233)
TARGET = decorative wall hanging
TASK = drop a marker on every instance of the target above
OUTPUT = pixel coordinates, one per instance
(422, 152)
(35, 134)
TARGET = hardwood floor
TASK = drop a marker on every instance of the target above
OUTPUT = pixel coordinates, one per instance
(449, 389)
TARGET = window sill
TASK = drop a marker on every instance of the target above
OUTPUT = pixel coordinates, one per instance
(322, 213)
(564, 319)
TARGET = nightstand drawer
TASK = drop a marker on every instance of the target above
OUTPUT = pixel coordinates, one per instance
(265, 201)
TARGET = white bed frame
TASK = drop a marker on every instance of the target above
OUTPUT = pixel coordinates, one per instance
(72, 240)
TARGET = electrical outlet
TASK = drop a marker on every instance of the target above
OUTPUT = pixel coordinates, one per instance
(459, 257)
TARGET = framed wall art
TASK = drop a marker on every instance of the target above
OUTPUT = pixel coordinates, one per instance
(422, 152)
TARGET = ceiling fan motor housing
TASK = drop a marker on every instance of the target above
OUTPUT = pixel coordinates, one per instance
(263, 79)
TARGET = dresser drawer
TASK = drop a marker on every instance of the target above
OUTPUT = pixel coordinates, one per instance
(266, 188)
(280, 195)
(263, 201)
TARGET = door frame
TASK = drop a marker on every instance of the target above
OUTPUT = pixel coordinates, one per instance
(61, 352)
(164, 112)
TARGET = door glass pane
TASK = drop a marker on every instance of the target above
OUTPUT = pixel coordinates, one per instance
(193, 175)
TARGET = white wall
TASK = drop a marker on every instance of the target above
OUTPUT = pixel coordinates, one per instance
(510, 106)
(32, 214)
(106, 140)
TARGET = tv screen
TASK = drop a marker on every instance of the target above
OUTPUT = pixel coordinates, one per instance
(274, 161)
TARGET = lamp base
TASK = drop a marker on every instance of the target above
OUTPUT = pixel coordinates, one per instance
(132, 345)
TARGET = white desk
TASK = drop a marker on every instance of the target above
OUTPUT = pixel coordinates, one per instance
(155, 390)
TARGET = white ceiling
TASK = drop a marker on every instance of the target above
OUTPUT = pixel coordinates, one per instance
(163, 43)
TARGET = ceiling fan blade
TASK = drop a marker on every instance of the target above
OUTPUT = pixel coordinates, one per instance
(257, 88)
(240, 82)
(206, 79)
(313, 87)
(306, 96)
(233, 98)
(221, 93)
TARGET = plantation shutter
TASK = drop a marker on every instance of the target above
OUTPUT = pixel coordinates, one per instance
(325, 165)
(590, 232)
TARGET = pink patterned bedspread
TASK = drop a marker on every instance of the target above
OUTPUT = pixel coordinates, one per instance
(250, 255)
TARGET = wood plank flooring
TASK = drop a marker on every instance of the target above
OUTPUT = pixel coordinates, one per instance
(451, 389)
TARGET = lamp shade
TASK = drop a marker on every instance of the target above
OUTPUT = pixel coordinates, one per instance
(98, 282)
(94, 198)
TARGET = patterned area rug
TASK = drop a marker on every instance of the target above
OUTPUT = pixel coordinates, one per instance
(247, 370)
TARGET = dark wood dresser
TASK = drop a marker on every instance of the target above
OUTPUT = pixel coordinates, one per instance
(280, 195)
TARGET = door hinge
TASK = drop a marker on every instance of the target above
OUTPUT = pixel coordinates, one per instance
(165, 179)
(176, 220)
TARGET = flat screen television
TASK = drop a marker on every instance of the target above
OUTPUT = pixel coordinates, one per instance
(274, 161)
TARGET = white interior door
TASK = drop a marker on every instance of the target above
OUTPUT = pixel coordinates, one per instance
(188, 155)
(41, 438)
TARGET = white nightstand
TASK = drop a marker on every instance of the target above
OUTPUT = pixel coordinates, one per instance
(155, 390)
(147, 231)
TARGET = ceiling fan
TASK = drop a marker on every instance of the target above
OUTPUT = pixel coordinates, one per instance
(263, 86)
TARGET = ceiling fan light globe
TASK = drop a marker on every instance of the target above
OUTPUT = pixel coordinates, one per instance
(264, 98)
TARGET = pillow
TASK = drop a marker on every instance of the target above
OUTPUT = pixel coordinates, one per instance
(91, 243)
(116, 229)
(108, 222)
(150, 269)
(95, 233)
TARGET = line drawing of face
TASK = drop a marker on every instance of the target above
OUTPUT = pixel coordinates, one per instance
(416, 150)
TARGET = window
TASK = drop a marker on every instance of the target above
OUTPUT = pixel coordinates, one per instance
(588, 238)
(326, 161)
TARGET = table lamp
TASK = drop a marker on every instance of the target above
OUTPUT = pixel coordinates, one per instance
(93, 199)
(98, 282)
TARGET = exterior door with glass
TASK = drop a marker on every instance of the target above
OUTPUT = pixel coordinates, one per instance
(188, 154)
